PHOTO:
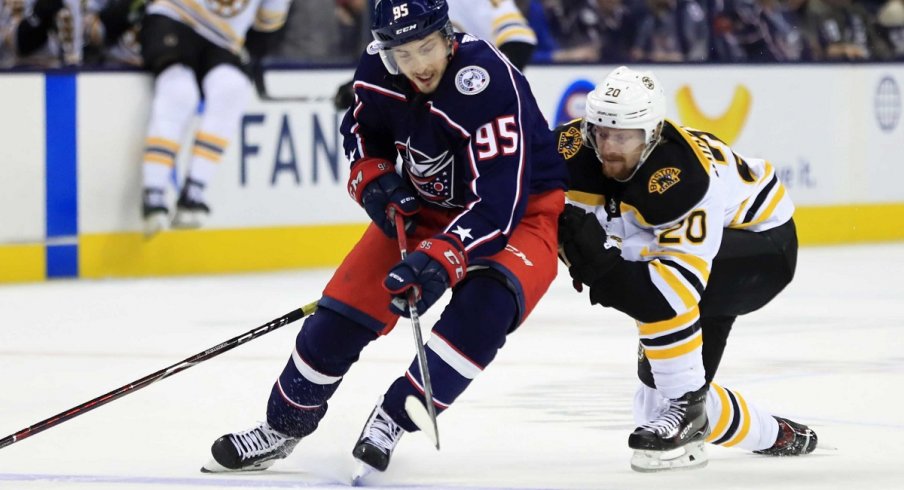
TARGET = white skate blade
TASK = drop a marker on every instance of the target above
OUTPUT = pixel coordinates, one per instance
(188, 220)
(154, 224)
(361, 471)
(418, 414)
(213, 467)
(690, 456)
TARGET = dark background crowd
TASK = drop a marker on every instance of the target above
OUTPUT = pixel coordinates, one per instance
(326, 32)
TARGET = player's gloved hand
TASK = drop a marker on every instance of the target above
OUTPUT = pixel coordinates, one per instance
(436, 265)
(345, 96)
(374, 185)
(118, 16)
(46, 10)
(583, 246)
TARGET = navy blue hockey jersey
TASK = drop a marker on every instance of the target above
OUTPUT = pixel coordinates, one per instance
(477, 144)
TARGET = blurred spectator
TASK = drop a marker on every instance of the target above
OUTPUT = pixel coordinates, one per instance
(891, 23)
(573, 25)
(40, 33)
(617, 28)
(111, 32)
(846, 31)
(754, 30)
(324, 31)
(672, 31)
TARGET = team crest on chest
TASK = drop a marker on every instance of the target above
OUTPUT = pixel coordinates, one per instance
(471, 80)
(663, 179)
(432, 176)
(227, 8)
(570, 142)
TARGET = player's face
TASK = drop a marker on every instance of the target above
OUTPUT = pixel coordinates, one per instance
(619, 150)
(423, 61)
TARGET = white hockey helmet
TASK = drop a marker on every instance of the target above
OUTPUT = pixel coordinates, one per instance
(627, 99)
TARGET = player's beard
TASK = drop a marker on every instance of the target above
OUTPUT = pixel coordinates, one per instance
(615, 168)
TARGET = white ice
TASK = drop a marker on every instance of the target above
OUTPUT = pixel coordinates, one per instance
(553, 411)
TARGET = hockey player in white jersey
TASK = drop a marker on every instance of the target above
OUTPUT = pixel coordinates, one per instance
(195, 49)
(669, 225)
(40, 33)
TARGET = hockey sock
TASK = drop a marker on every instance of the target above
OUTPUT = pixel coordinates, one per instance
(469, 333)
(734, 422)
(674, 350)
(175, 102)
(327, 345)
(226, 93)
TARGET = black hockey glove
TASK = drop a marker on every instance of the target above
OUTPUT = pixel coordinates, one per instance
(582, 242)
(345, 96)
(438, 264)
(374, 185)
(120, 15)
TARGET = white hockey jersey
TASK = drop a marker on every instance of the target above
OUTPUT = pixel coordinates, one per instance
(497, 21)
(225, 22)
(670, 217)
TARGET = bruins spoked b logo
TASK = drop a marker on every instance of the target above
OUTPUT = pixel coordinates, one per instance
(663, 179)
(570, 142)
(227, 8)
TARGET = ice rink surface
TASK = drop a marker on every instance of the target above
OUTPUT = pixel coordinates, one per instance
(553, 411)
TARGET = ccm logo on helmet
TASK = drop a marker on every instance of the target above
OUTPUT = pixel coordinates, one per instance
(406, 29)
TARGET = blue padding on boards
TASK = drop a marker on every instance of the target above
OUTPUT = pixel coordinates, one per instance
(62, 261)
(61, 182)
(61, 148)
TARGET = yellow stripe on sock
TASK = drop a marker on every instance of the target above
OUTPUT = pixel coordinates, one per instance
(724, 416)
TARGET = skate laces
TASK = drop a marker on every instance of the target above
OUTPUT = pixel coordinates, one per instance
(257, 441)
(382, 431)
(670, 420)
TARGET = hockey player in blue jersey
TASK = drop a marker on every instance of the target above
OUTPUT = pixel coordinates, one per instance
(480, 186)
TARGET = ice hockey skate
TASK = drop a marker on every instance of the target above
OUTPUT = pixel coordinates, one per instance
(674, 440)
(255, 449)
(154, 211)
(191, 211)
(793, 439)
(375, 444)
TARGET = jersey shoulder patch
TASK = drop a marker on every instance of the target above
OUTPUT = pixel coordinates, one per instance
(569, 141)
(584, 170)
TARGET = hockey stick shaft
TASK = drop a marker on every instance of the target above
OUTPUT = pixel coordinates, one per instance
(161, 374)
(416, 328)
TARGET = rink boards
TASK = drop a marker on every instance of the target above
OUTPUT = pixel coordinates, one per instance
(70, 177)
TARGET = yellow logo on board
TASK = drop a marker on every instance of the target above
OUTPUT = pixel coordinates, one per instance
(727, 126)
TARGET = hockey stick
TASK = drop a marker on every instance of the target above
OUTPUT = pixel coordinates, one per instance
(163, 373)
(412, 406)
(260, 86)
